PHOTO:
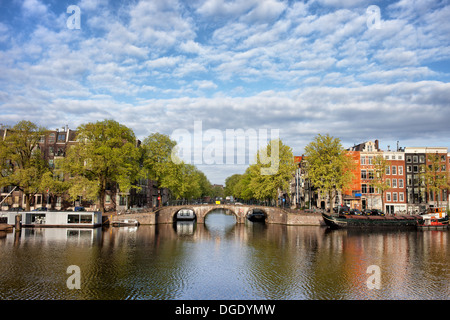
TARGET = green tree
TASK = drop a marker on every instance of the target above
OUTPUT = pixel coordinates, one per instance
(21, 161)
(379, 182)
(183, 181)
(106, 154)
(230, 184)
(434, 176)
(242, 189)
(157, 160)
(273, 171)
(329, 168)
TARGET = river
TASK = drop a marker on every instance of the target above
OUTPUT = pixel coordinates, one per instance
(224, 261)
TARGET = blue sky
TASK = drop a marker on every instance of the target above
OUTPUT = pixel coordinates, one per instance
(303, 67)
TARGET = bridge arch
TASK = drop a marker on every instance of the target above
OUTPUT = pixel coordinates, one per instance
(220, 208)
(184, 214)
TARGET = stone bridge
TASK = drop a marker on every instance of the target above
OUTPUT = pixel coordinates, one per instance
(273, 215)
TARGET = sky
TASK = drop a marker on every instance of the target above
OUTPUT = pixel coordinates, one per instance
(358, 70)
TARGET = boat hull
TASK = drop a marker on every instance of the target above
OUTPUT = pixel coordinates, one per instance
(433, 224)
(350, 221)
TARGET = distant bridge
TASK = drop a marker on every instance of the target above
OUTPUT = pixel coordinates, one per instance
(273, 214)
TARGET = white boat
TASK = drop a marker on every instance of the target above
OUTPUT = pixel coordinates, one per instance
(125, 222)
(185, 214)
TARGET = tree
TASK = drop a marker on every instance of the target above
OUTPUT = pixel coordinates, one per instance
(157, 159)
(230, 184)
(105, 155)
(434, 176)
(21, 161)
(272, 171)
(379, 181)
(183, 180)
(329, 167)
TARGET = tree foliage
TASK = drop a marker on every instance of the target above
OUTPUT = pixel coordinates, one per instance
(21, 161)
(105, 154)
(267, 177)
(329, 167)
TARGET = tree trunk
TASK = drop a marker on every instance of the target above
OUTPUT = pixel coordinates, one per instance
(102, 194)
(27, 201)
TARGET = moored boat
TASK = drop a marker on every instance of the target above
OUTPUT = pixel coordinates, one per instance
(185, 215)
(434, 218)
(256, 215)
(125, 223)
(358, 221)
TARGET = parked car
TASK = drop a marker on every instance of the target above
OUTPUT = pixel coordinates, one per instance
(79, 209)
(373, 212)
(343, 210)
(355, 212)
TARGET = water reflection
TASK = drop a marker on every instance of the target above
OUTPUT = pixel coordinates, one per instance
(224, 260)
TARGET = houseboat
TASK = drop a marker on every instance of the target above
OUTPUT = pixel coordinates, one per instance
(360, 221)
(61, 219)
(185, 215)
(434, 218)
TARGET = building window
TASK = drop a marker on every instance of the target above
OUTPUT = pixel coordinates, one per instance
(415, 159)
(61, 137)
(400, 170)
(408, 169)
(394, 169)
(388, 182)
(51, 138)
(370, 160)
(388, 196)
(363, 160)
(400, 183)
(371, 189)
(393, 157)
(409, 180)
(363, 188)
(394, 197)
(422, 159)
(394, 183)
(363, 174)
(370, 174)
(408, 159)
(388, 170)
(416, 169)
(401, 196)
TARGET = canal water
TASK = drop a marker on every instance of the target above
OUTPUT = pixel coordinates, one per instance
(225, 261)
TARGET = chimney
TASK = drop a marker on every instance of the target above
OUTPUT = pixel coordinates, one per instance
(376, 145)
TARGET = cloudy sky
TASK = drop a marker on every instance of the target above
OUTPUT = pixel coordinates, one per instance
(356, 69)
